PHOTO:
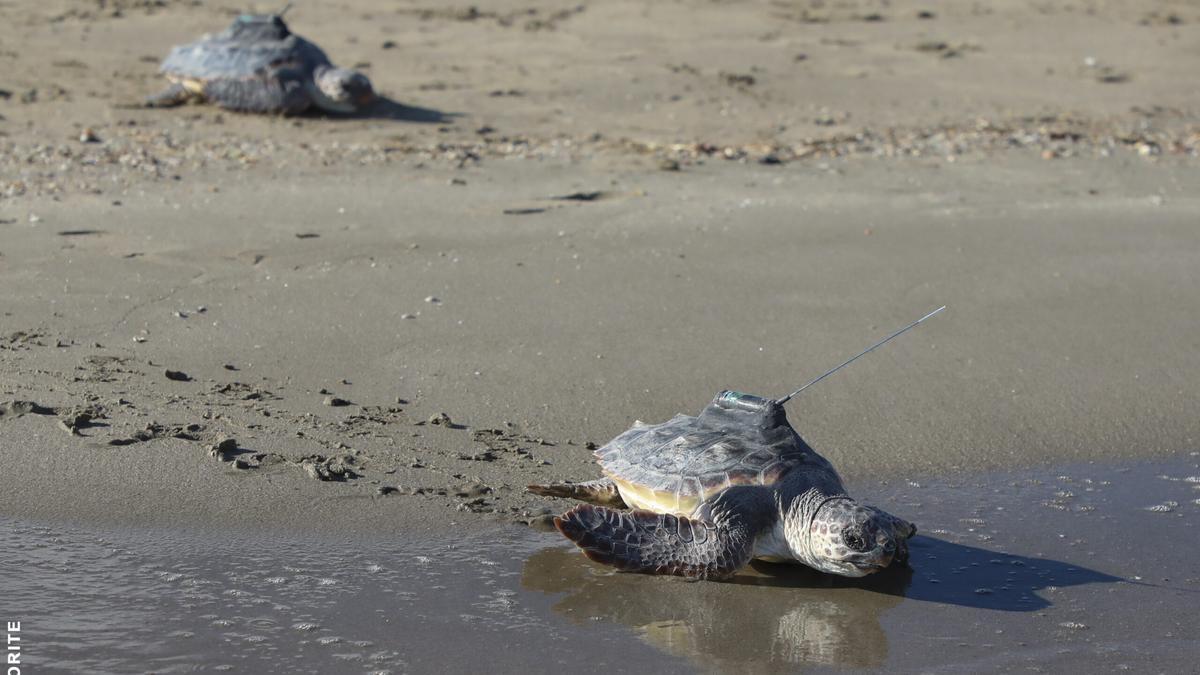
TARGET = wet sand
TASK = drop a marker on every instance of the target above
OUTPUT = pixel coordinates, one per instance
(565, 217)
(1091, 587)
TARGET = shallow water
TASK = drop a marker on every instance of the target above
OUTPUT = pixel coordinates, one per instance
(1076, 569)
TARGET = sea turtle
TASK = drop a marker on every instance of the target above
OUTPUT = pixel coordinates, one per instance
(708, 493)
(258, 65)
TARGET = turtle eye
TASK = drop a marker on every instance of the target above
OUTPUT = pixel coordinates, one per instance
(854, 541)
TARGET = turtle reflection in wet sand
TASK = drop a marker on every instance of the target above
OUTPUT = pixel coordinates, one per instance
(772, 619)
(708, 493)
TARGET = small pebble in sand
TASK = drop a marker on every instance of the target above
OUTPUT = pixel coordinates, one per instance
(472, 490)
(932, 46)
(384, 490)
(432, 300)
(88, 136)
(440, 419)
(335, 402)
(78, 418)
(176, 375)
(270, 458)
(738, 79)
(223, 449)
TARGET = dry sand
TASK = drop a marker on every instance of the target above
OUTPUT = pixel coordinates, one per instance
(761, 189)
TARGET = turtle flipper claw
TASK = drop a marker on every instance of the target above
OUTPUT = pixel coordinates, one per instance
(655, 543)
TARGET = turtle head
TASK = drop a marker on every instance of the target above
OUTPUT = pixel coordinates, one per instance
(341, 89)
(854, 540)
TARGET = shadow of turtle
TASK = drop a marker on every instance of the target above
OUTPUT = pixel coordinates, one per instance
(958, 574)
(950, 574)
(384, 108)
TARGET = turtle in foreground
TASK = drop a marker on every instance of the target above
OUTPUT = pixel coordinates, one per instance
(708, 493)
(711, 492)
(258, 65)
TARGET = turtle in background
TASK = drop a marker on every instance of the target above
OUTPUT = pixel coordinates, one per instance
(736, 482)
(258, 65)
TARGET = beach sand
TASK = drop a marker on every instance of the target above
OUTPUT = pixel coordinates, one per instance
(1071, 317)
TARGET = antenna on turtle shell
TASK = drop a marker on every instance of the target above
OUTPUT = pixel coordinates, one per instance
(910, 326)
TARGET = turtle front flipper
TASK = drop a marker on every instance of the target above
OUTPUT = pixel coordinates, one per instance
(657, 543)
(174, 95)
(602, 492)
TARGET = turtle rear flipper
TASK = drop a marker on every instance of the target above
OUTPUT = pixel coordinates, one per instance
(657, 543)
(172, 96)
(602, 492)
